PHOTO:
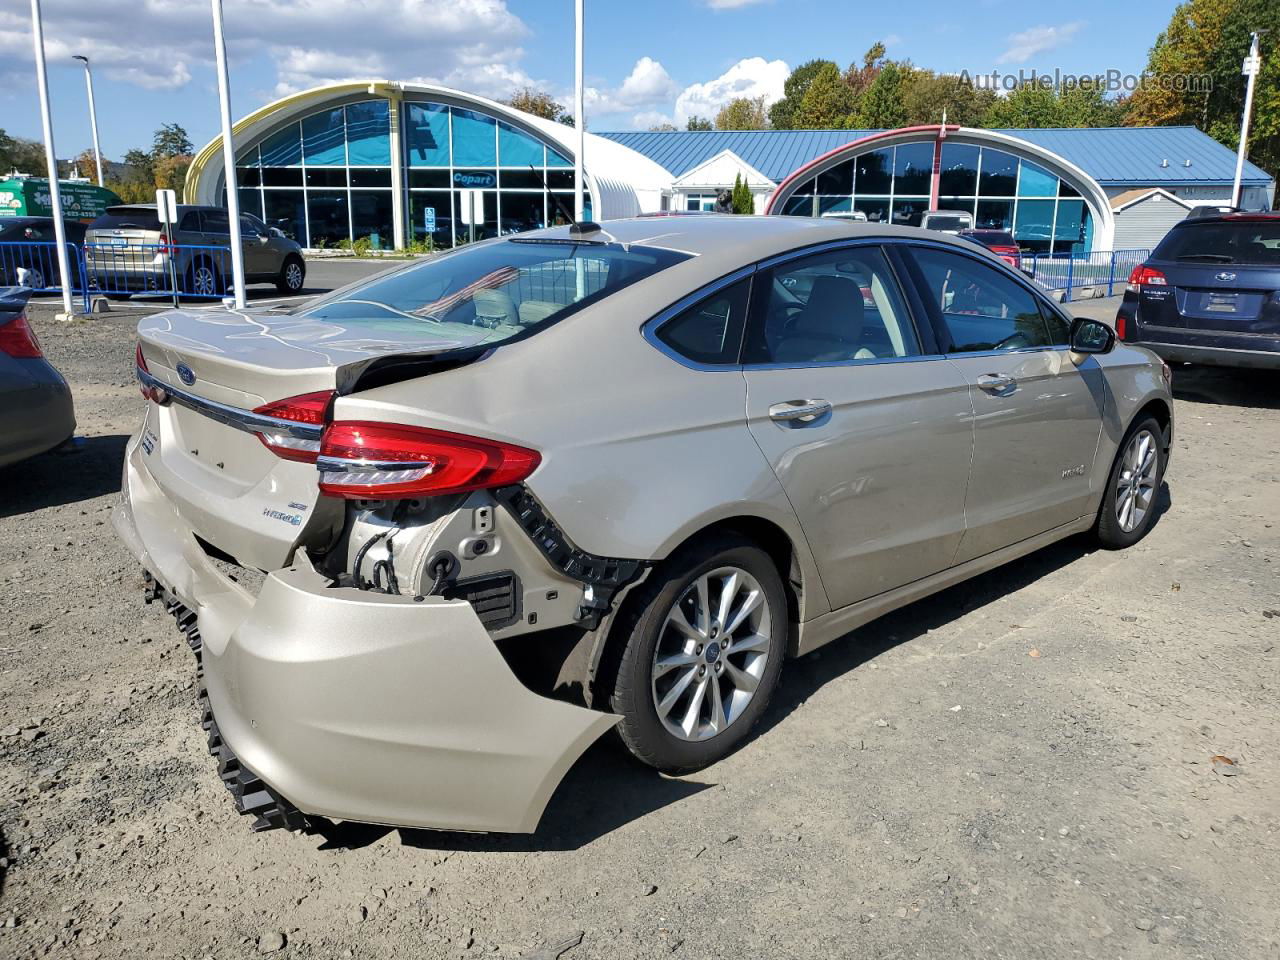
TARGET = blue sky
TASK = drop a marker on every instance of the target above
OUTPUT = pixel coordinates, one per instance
(646, 62)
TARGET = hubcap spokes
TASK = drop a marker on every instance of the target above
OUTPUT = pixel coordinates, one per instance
(711, 653)
(1136, 484)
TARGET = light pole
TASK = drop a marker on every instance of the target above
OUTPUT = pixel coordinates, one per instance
(228, 156)
(1252, 67)
(93, 114)
(579, 202)
(51, 159)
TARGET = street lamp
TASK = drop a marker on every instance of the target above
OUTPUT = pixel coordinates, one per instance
(228, 156)
(93, 114)
(1252, 67)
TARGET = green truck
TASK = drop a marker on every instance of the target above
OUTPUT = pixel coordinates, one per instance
(29, 197)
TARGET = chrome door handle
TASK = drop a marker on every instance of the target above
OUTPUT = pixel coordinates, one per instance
(997, 383)
(805, 411)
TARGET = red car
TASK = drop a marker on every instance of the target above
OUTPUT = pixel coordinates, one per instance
(999, 242)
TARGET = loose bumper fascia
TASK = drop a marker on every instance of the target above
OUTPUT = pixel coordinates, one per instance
(361, 706)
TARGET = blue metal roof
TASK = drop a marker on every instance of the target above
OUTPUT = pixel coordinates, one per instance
(1113, 156)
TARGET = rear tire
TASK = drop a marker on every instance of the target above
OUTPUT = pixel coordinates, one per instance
(1129, 503)
(698, 651)
(293, 274)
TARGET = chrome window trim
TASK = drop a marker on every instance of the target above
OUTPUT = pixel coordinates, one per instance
(344, 465)
(862, 362)
(235, 417)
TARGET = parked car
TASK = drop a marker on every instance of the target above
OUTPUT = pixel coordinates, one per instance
(999, 242)
(127, 251)
(29, 252)
(947, 221)
(1210, 210)
(694, 450)
(36, 413)
(1209, 293)
(850, 216)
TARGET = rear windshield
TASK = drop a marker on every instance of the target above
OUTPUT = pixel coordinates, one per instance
(494, 292)
(1223, 241)
(127, 218)
(935, 222)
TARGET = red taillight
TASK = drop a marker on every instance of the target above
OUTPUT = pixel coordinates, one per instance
(383, 461)
(1120, 326)
(140, 360)
(1144, 275)
(308, 409)
(164, 245)
(18, 340)
(150, 391)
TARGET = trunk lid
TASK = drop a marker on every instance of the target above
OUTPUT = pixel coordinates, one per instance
(1214, 297)
(203, 446)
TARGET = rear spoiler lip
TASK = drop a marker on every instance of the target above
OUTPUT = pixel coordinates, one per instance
(389, 368)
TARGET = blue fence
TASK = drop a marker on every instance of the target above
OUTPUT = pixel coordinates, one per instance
(119, 269)
(1068, 272)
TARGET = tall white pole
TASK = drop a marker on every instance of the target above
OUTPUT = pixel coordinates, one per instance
(580, 121)
(93, 115)
(51, 158)
(228, 156)
(1253, 66)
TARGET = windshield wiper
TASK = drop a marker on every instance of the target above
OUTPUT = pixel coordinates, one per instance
(1215, 257)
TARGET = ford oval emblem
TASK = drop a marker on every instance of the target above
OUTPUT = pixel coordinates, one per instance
(1225, 276)
(186, 374)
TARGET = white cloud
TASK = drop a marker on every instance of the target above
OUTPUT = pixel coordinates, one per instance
(647, 83)
(650, 118)
(1025, 45)
(752, 77)
(892, 40)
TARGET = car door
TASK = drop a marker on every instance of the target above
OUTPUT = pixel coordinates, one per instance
(867, 427)
(1037, 415)
(259, 258)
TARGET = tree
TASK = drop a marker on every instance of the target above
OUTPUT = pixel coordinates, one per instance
(882, 106)
(743, 202)
(743, 113)
(21, 155)
(928, 96)
(699, 123)
(860, 79)
(782, 115)
(171, 141)
(662, 127)
(1184, 49)
(539, 103)
(1032, 105)
(828, 103)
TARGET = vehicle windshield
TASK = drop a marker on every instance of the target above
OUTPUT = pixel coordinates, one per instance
(494, 292)
(1223, 241)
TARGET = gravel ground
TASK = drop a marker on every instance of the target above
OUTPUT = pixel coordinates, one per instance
(1022, 766)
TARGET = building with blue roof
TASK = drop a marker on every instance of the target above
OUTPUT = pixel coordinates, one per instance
(389, 162)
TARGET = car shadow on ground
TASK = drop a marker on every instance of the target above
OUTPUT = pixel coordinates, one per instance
(607, 788)
(88, 468)
(1228, 386)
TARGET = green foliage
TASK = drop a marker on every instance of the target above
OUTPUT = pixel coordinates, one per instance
(743, 113)
(782, 115)
(828, 103)
(540, 104)
(882, 107)
(1034, 106)
(171, 141)
(22, 155)
(699, 123)
(928, 96)
(742, 199)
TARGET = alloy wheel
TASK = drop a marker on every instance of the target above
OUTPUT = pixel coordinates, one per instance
(711, 653)
(293, 276)
(1136, 483)
(203, 282)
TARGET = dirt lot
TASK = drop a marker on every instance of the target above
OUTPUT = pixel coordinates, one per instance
(1020, 767)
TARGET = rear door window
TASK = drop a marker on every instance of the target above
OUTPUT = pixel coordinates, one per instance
(215, 221)
(981, 307)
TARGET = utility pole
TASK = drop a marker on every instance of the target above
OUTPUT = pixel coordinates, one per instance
(228, 157)
(93, 114)
(1252, 67)
(579, 200)
(51, 158)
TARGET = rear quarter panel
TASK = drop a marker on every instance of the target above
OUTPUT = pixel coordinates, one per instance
(1134, 379)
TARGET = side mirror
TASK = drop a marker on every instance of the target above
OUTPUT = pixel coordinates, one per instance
(276, 232)
(1091, 336)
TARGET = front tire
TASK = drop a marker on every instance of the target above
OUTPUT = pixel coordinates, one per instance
(701, 648)
(292, 276)
(1129, 502)
(204, 280)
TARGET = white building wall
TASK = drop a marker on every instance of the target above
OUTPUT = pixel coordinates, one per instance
(1144, 224)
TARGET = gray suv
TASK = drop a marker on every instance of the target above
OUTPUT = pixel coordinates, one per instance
(127, 251)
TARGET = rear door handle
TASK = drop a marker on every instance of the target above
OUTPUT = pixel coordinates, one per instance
(802, 411)
(998, 384)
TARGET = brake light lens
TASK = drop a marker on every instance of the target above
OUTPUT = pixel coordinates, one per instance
(308, 409)
(1120, 326)
(381, 461)
(18, 340)
(1143, 275)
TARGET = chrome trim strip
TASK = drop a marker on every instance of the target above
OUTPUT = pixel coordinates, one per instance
(342, 465)
(234, 417)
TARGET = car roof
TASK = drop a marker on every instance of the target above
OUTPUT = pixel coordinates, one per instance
(1236, 217)
(746, 238)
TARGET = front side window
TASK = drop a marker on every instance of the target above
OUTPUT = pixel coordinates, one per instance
(981, 307)
(491, 293)
(710, 332)
(833, 307)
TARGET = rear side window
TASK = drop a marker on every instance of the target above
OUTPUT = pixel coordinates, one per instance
(493, 292)
(190, 222)
(1223, 241)
(982, 308)
(710, 332)
(215, 221)
(127, 218)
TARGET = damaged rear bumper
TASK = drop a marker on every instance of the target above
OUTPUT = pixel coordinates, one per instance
(354, 705)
